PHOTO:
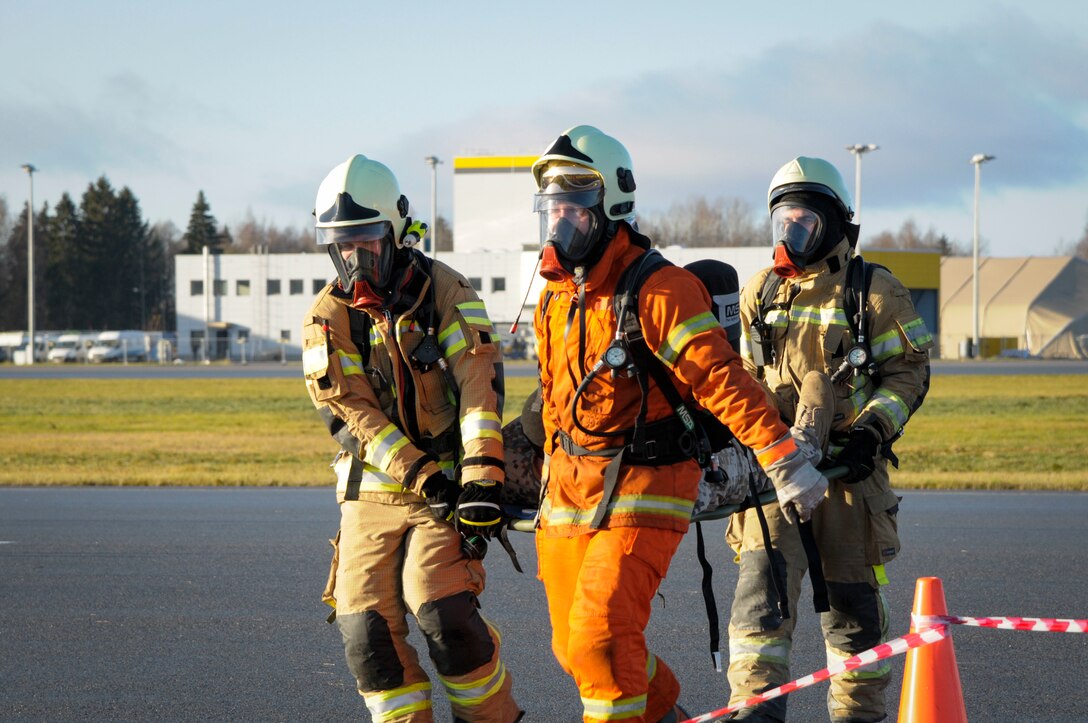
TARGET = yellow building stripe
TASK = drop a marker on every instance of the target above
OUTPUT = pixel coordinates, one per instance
(493, 163)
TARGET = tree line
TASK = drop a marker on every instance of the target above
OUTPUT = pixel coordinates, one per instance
(99, 264)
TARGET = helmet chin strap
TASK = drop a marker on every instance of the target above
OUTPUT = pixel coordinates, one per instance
(784, 265)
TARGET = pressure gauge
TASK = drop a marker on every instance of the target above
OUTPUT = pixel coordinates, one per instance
(615, 356)
(857, 357)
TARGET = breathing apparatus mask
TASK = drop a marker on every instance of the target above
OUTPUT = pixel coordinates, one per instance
(805, 226)
(364, 260)
(572, 221)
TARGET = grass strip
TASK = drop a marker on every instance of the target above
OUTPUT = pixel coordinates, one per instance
(974, 432)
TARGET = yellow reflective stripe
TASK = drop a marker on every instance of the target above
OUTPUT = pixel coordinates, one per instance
(881, 574)
(452, 340)
(917, 333)
(776, 317)
(651, 666)
(768, 650)
(350, 363)
(375, 336)
(681, 335)
(614, 709)
(475, 314)
(890, 405)
(389, 704)
(384, 447)
(476, 691)
(481, 425)
(746, 346)
(887, 345)
(677, 507)
(821, 316)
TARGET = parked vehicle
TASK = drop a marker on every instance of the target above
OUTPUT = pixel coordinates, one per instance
(118, 346)
(69, 348)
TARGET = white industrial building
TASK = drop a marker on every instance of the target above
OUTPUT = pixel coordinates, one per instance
(252, 306)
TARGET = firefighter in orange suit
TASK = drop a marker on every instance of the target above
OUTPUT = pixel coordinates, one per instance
(404, 367)
(616, 508)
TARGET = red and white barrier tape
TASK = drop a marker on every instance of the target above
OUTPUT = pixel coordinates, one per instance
(932, 629)
(880, 652)
(1040, 625)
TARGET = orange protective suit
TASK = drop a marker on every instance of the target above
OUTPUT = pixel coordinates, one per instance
(600, 580)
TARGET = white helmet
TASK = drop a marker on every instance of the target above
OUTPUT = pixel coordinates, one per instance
(360, 203)
(583, 169)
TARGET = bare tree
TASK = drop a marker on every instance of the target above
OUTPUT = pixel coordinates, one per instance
(909, 238)
(697, 223)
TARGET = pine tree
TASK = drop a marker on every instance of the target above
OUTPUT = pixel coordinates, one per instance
(202, 230)
(64, 262)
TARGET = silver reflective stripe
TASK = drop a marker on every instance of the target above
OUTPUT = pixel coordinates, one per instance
(821, 316)
(477, 691)
(480, 425)
(615, 710)
(770, 650)
(677, 507)
(886, 345)
(917, 334)
(384, 447)
(876, 669)
(389, 704)
(890, 405)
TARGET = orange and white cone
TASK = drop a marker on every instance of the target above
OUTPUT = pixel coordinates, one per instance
(931, 680)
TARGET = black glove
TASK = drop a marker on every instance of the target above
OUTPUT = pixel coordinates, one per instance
(859, 454)
(441, 494)
(478, 510)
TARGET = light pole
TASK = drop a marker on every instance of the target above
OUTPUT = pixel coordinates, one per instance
(978, 159)
(859, 150)
(29, 168)
(433, 162)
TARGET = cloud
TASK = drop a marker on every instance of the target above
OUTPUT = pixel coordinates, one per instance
(930, 100)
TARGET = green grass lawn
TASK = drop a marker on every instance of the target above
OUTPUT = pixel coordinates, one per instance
(992, 432)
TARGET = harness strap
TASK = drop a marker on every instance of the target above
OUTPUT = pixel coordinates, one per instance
(815, 568)
(776, 564)
(708, 599)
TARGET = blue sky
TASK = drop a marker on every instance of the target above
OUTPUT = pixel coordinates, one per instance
(254, 102)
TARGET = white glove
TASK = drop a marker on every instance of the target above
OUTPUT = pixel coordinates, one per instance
(800, 487)
(807, 443)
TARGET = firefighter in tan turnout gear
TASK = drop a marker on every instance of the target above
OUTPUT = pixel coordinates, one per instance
(800, 316)
(404, 367)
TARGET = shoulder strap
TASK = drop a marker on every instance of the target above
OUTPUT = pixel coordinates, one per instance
(360, 323)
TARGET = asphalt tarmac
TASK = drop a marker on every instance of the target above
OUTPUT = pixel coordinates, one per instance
(172, 604)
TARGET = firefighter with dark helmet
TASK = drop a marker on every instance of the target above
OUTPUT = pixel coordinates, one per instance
(821, 312)
(404, 368)
(615, 508)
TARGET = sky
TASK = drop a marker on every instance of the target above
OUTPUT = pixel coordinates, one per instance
(254, 102)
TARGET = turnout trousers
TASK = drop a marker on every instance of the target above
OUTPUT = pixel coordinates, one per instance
(855, 530)
(397, 559)
(600, 586)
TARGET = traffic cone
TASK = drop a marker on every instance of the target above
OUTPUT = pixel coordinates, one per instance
(931, 681)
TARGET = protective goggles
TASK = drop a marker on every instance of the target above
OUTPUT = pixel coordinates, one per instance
(797, 228)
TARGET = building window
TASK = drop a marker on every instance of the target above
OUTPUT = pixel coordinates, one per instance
(498, 283)
(219, 287)
(319, 284)
(241, 287)
(273, 287)
(477, 282)
(196, 288)
(295, 287)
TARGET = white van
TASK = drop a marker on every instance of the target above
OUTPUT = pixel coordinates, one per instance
(117, 346)
(68, 348)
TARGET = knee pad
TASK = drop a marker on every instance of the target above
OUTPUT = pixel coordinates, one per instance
(368, 646)
(754, 600)
(855, 621)
(457, 637)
